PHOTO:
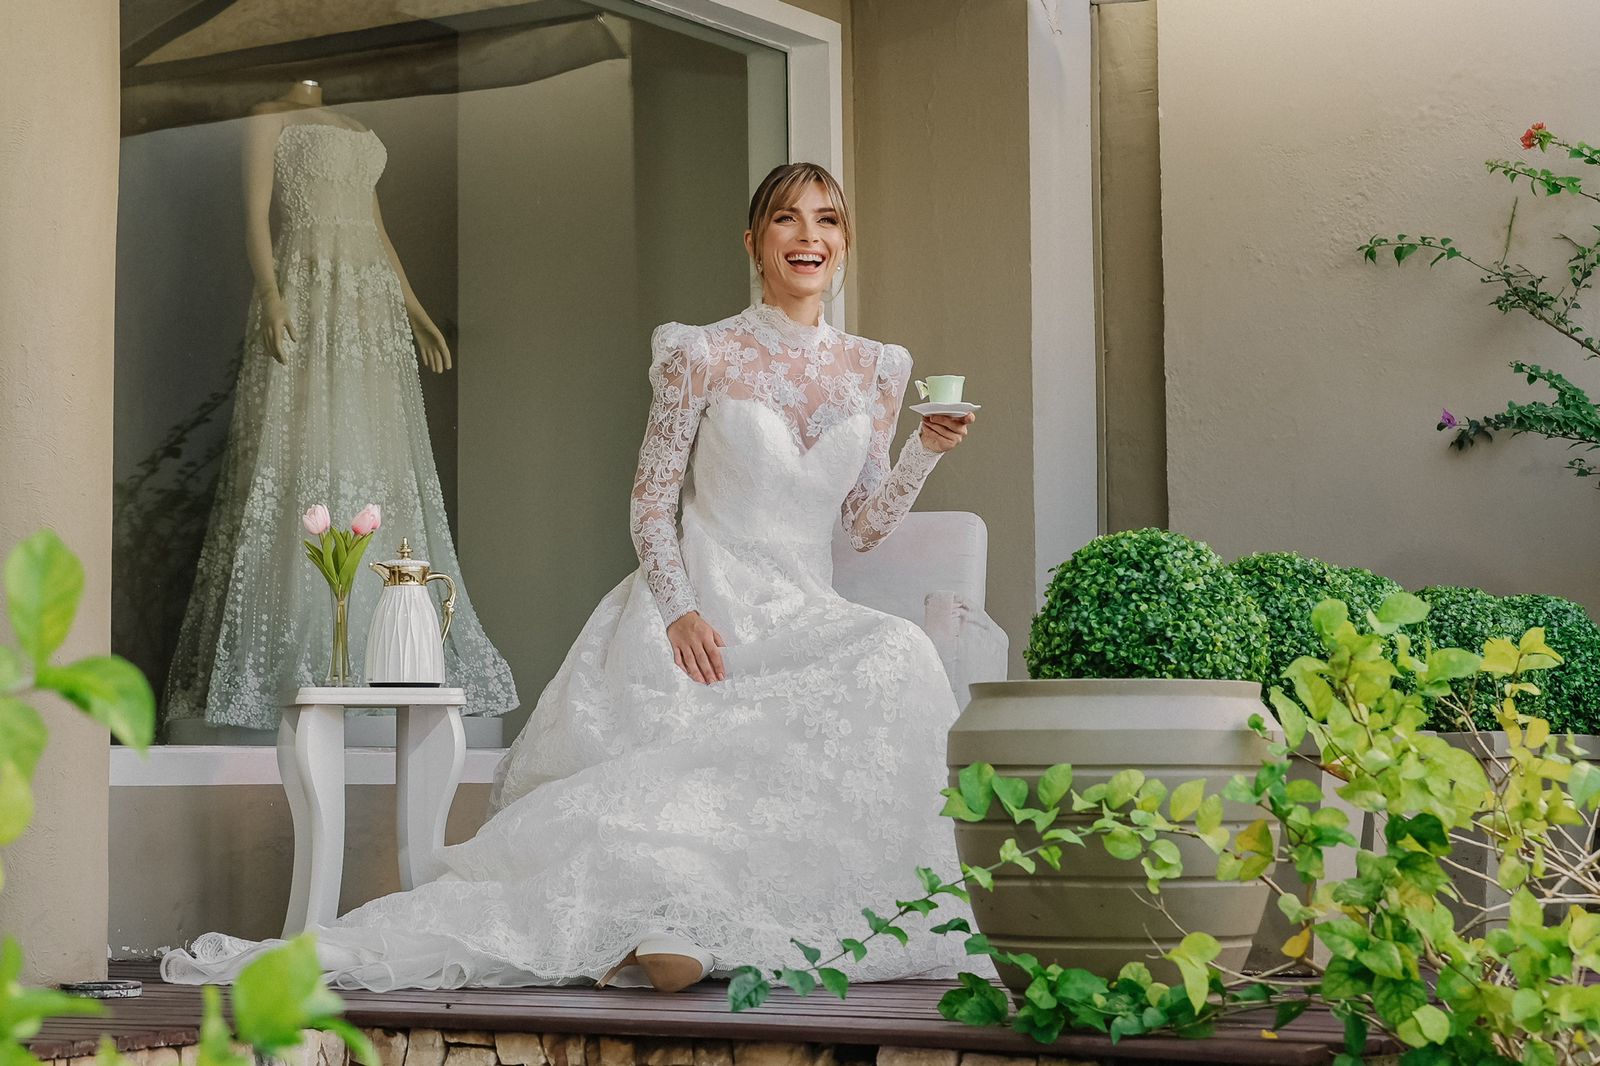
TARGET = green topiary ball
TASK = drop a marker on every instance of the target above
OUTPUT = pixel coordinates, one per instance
(1287, 586)
(1465, 618)
(1147, 603)
(1571, 691)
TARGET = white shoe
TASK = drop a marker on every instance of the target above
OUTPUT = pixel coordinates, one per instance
(663, 961)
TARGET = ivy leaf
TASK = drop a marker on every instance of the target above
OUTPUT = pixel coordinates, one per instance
(748, 989)
(110, 690)
(280, 994)
(975, 1002)
(1185, 799)
(799, 980)
(1288, 1011)
(1054, 783)
(44, 582)
(1397, 1000)
(834, 981)
(977, 787)
(1012, 792)
(1192, 956)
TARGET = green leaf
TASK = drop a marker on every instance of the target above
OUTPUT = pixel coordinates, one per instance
(813, 955)
(1345, 979)
(1122, 843)
(856, 948)
(14, 670)
(1382, 957)
(1012, 792)
(1434, 1023)
(22, 735)
(1447, 664)
(1009, 852)
(1584, 784)
(1123, 786)
(1397, 1000)
(1192, 956)
(975, 1002)
(954, 925)
(355, 1040)
(280, 994)
(834, 981)
(1402, 609)
(977, 787)
(799, 980)
(1054, 783)
(16, 802)
(112, 691)
(1288, 1010)
(748, 989)
(1290, 716)
(44, 582)
(1185, 799)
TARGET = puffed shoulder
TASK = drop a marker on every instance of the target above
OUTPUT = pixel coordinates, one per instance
(670, 338)
(894, 363)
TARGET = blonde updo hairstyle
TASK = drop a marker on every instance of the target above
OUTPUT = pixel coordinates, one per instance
(782, 188)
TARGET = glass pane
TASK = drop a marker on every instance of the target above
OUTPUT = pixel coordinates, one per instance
(555, 179)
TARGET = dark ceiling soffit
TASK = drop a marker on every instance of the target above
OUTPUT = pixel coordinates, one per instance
(191, 17)
(336, 44)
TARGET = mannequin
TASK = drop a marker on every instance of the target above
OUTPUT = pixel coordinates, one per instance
(328, 409)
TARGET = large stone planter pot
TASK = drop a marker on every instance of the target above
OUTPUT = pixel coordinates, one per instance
(1474, 890)
(1094, 912)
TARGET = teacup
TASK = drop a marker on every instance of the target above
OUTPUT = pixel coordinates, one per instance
(941, 388)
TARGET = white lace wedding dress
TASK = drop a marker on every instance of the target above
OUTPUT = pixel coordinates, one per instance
(340, 423)
(774, 804)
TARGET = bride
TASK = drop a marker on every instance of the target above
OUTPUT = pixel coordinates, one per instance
(731, 755)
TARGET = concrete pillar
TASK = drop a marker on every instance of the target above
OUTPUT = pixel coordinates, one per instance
(58, 213)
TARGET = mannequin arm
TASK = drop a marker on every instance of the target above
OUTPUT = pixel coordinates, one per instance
(261, 138)
(260, 146)
(430, 341)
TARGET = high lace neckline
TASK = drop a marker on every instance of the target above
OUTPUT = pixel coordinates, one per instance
(791, 333)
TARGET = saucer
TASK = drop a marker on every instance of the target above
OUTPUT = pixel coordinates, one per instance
(931, 408)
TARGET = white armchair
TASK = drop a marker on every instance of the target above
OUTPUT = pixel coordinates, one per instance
(932, 571)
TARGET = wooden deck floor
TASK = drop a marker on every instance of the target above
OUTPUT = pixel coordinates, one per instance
(895, 1014)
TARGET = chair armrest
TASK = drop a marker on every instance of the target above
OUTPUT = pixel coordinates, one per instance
(970, 644)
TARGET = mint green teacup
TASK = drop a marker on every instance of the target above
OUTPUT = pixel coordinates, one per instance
(941, 388)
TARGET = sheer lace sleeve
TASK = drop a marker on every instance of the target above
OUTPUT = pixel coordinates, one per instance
(679, 363)
(882, 495)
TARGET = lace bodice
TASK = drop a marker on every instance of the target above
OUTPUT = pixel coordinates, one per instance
(324, 175)
(813, 379)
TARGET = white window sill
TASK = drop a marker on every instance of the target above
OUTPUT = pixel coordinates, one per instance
(181, 764)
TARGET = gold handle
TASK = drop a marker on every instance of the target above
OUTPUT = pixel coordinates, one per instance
(449, 603)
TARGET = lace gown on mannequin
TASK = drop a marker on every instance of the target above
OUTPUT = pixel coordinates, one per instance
(774, 804)
(340, 423)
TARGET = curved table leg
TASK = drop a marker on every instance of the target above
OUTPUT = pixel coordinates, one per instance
(311, 762)
(430, 751)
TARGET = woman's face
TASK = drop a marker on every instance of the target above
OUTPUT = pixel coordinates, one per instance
(802, 248)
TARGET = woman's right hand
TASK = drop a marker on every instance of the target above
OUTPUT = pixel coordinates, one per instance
(696, 648)
(275, 325)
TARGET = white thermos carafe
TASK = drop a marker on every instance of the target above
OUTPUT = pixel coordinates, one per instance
(405, 644)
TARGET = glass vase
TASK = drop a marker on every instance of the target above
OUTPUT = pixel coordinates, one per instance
(339, 661)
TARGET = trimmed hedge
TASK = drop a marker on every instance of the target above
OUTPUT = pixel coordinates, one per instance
(1286, 587)
(1571, 699)
(1147, 603)
(1465, 618)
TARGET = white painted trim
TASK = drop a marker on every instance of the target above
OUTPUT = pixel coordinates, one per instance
(1066, 434)
(183, 764)
(815, 49)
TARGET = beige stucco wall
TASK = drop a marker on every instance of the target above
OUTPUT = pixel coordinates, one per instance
(1303, 384)
(58, 204)
(190, 859)
(942, 201)
(1128, 153)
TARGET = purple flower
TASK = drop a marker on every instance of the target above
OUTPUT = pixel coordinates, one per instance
(1448, 420)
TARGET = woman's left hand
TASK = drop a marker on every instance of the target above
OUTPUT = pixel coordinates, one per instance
(940, 433)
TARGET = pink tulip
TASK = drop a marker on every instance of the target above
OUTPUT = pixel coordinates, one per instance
(316, 520)
(368, 521)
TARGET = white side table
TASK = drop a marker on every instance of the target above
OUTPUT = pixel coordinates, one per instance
(430, 748)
